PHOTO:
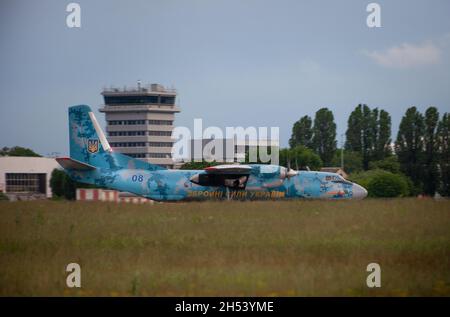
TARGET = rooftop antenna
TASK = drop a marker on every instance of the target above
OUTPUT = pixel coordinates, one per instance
(139, 85)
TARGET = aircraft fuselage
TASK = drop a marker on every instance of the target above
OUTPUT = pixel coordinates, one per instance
(264, 182)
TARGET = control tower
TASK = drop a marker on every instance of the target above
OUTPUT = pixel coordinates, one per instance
(139, 121)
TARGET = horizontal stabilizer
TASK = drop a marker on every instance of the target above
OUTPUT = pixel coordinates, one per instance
(71, 164)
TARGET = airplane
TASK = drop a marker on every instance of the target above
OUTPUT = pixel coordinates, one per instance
(93, 161)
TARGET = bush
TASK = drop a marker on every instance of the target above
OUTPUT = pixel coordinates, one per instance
(64, 187)
(380, 183)
(3, 196)
(387, 185)
(57, 183)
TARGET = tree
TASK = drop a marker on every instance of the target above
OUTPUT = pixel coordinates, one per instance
(63, 186)
(17, 151)
(409, 145)
(430, 170)
(70, 187)
(324, 137)
(302, 133)
(369, 133)
(57, 180)
(354, 131)
(383, 140)
(359, 134)
(299, 158)
(443, 148)
(389, 164)
(198, 165)
(352, 161)
(256, 152)
(4, 151)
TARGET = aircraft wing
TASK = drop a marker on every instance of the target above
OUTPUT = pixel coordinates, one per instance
(229, 169)
(232, 176)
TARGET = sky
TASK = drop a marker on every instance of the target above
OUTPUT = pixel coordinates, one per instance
(234, 63)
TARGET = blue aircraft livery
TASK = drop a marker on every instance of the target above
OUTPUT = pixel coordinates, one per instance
(92, 161)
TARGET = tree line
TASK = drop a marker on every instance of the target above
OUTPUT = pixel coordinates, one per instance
(17, 151)
(420, 154)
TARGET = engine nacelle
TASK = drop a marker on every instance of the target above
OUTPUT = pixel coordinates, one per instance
(287, 172)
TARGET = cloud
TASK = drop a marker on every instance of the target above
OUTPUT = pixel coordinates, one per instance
(407, 55)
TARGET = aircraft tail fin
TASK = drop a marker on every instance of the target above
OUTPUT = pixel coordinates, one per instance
(89, 146)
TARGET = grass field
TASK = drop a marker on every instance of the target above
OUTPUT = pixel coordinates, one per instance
(295, 248)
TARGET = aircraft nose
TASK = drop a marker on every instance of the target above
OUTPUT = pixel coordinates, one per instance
(359, 192)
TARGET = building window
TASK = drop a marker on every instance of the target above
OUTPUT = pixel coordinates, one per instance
(159, 155)
(25, 182)
(167, 100)
(135, 155)
(160, 133)
(126, 133)
(130, 100)
(160, 122)
(126, 122)
(127, 144)
(160, 144)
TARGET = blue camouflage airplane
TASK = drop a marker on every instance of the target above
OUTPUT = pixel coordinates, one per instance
(93, 161)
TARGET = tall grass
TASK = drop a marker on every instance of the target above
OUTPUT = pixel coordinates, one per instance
(280, 248)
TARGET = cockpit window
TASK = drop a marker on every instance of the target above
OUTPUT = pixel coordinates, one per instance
(342, 181)
(336, 178)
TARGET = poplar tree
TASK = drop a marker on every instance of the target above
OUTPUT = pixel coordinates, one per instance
(324, 135)
(302, 133)
(443, 148)
(430, 175)
(369, 133)
(409, 145)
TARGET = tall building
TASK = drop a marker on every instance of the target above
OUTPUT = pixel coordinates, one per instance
(139, 121)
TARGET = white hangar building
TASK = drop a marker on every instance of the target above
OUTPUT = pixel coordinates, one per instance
(26, 176)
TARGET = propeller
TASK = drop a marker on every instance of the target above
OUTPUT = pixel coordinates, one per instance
(288, 172)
